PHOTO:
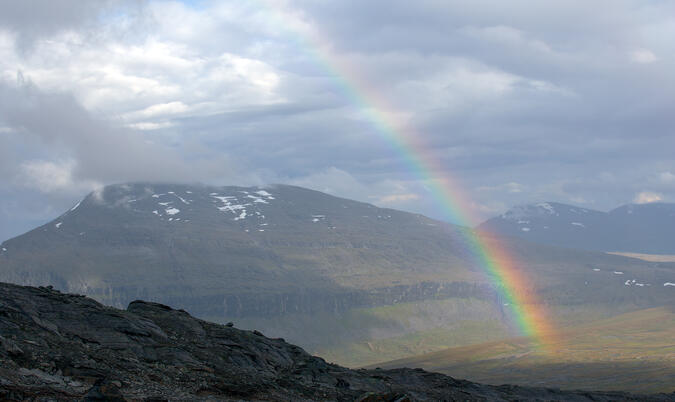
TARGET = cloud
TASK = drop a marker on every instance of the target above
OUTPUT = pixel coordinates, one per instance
(340, 97)
(48, 177)
(398, 198)
(647, 197)
(667, 177)
(511, 187)
(643, 56)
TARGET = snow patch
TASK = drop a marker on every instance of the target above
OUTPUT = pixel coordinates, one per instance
(596, 269)
(578, 224)
(546, 206)
(58, 225)
(618, 273)
(256, 199)
(633, 282)
(525, 229)
(665, 284)
(75, 207)
(180, 198)
(4, 249)
(172, 211)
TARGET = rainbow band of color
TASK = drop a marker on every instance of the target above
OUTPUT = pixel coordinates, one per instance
(501, 269)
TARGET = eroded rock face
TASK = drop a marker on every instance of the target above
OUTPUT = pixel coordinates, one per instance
(56, 346)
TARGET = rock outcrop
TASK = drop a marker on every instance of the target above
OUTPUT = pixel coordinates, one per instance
(56, 346)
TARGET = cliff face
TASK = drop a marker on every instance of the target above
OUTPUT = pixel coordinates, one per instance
(68, 347)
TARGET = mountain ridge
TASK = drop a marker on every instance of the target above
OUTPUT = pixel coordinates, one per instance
(638, 228)
(325, 272)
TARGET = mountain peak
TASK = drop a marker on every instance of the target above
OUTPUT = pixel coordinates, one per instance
(646, 228)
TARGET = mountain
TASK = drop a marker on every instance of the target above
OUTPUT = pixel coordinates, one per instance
(629, 351)
(65, 347)
(352, 282)
(637, 228)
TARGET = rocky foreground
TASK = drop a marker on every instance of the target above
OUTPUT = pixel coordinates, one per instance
(56, 346)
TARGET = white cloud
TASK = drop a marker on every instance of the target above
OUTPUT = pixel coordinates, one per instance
(647, 197)
(53, 176)
(398, 198)
(667, 177)
(643, 56)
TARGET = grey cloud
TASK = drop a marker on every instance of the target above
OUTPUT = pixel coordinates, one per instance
(552, 97)
(102, 151)
(34, 19)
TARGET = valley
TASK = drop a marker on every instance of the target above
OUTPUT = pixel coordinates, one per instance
(634, 350)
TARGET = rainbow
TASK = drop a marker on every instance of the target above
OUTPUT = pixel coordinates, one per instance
(501, 268)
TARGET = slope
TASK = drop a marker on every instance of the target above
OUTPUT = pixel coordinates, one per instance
(633, 351)
(65, 347)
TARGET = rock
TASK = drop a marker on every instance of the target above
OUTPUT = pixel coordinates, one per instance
(105, 391)
(229, 324)
(74, 348)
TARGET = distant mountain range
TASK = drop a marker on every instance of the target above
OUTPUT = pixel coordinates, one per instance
(638, 228)
(348, 280)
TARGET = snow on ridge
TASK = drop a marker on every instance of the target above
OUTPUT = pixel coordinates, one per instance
(546, 206)
(633, 282)
(237, 209)
(75, 207)
(265, 194)
(180, 198)
(521, 213)
(257, 199)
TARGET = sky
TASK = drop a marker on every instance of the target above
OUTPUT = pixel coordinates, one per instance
(516, 102)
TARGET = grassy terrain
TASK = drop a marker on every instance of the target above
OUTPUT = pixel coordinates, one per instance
(369, 335)
(633, 351)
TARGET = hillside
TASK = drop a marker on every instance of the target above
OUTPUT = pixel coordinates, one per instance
(633, 351)
(636, 228)
(345, 279)
(57, 346)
